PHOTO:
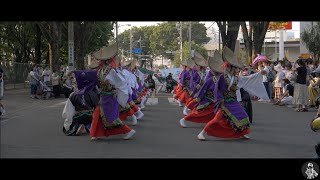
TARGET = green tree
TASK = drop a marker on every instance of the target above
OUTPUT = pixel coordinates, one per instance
(311, 38)
(17, 41)
(138, 33)
(186, 52)
(52, 31)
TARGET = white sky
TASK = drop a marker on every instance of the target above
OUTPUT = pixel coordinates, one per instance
(124, 25)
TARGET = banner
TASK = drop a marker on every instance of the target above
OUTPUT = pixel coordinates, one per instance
(275, 25)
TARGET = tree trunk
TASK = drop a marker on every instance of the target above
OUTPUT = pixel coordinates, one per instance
(55, 44)
(259, 33)
(80, 57)
(38, 45)
(229, 34)
(247, 41)
(48, 56)
(232, 34)
(18, 55)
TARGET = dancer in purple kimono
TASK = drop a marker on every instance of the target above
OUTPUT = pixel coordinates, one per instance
(204, 110)
(231, 120)
(106, 120)
(196, 81)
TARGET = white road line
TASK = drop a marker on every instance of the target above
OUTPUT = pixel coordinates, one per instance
(58, 104)
(152, 101)
(172, 101)
(4, 121)
(8, 119)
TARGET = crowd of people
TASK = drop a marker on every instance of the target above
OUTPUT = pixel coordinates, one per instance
(44, 85)
(295, 84)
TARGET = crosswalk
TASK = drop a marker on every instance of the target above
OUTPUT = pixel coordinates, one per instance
(155, 100)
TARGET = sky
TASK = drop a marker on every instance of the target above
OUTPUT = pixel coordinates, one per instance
(125, 25)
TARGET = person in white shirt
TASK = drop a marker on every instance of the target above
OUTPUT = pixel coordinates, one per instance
(265, 71)
(278, 86)
(46, 75)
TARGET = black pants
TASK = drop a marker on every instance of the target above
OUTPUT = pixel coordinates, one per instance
(56, 91)
(266, 85)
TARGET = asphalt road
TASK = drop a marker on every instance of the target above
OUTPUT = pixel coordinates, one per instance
(33, 129)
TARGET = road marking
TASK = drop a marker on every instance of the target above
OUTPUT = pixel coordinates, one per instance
(172, 101)
(152, 101)
(8, 119)
(58, 104)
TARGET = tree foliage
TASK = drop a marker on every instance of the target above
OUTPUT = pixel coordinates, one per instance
(186, 52)
(157, 40)
(27, 42)
(311, 38)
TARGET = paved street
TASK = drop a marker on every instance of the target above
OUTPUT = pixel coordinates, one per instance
(33, 129)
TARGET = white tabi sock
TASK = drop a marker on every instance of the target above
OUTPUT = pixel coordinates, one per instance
(185, 110)
(139, 114)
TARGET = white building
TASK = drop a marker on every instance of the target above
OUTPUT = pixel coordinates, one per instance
(293, 46)
(158, 61)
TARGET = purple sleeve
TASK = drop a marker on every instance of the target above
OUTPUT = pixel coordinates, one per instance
(182, 78)
(203, 90)
(220, 88)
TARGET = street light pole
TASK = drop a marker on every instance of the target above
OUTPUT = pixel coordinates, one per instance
(180, 41)
(190, 40)
(219, 40)
(130, 43)
(275, 44)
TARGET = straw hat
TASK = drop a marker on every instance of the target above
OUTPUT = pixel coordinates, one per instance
(190, 63)
(94, 64)
(215, 62)
(131, 63)
(199, 59)
(106, 52)
(230, 57)
(126, 63)
(184, 63)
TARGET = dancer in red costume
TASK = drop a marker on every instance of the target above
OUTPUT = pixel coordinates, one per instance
(106, 120)
(204, 111)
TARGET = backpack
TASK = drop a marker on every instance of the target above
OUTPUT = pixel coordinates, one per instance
(270, 75)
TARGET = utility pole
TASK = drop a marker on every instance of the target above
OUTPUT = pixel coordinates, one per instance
(219, 40)
(71, 45)
(275, 44)
(117, 33)
(180, 41)
(281, 45)
(190, 40)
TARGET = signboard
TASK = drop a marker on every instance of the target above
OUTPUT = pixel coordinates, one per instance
(137, 50)
(70, 44)
(71, 57)
(274, 25)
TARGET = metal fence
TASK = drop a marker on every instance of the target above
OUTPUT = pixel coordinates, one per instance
(16, 74)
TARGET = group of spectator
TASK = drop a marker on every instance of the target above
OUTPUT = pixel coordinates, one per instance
(289, 83)
(43, 82)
